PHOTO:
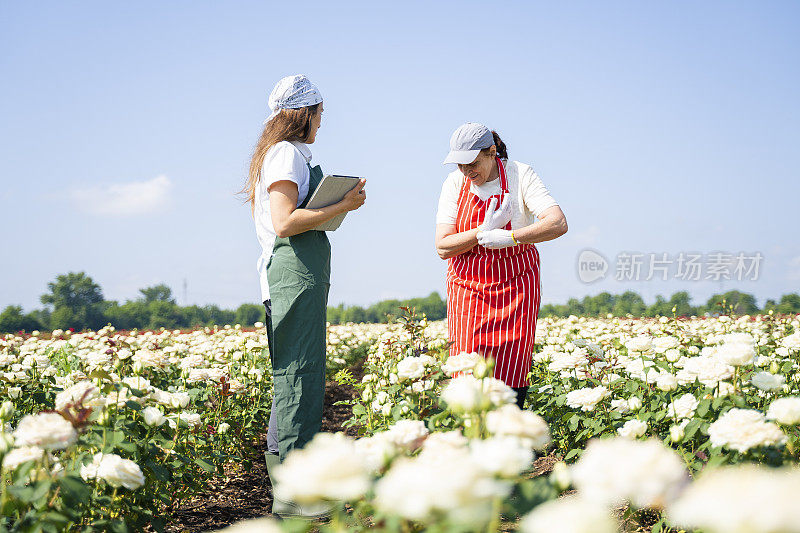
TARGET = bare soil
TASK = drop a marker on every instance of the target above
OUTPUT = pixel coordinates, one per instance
(243, 492)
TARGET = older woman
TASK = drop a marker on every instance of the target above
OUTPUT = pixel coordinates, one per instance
(486, 228)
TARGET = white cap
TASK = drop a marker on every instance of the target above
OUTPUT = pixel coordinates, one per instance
(293, 92)
(467, 142)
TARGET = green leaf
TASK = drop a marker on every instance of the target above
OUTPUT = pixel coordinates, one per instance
(74, 490)
(32, 492)
(692, 427)
(572, 453)
(205, 465)
(702, 409)
(531, 493)
(100, 374)
(359, 409)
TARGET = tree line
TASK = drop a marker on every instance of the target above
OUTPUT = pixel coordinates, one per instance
(679, 304)
(75, 301)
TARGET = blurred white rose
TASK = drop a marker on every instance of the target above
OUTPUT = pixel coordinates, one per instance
(741, 499)
(570, 514)
(785, 411)
(20, 455)
(50, 431)
(743, 429)
(327, 468)
(766, 381)
(645, 473)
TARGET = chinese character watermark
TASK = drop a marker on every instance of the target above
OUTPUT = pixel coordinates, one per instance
(684, 266)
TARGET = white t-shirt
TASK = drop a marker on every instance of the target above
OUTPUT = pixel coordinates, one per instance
(283, 161)
(529, 196)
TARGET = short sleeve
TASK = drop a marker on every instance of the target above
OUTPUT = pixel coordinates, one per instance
(535, 195)
(284, 162)
(448, 202)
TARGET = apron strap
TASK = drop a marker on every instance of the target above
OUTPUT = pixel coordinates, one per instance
(502, 168)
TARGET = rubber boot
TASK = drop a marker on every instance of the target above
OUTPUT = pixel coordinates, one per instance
(283, 508)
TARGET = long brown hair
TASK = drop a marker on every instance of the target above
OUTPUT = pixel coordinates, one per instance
(288, 125)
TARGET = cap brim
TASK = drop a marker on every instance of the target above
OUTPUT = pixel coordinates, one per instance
(461, 157)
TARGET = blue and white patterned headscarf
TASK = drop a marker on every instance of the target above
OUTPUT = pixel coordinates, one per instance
(293, 92)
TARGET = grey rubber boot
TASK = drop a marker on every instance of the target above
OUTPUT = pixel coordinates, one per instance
(289, 509)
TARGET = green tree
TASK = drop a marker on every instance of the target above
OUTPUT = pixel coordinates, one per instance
(157, 293)
(629, 302)
(164, 314)
(249, 314)
(600, 304)
(130, 315)
(681, 301)
(12, 320)
(742, 302)
(789, 304)
(77, 302)
(335, 314)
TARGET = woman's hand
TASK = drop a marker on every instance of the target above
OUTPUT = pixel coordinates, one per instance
(495, 239)
(497, 218)
(355, 198)
(289, 220)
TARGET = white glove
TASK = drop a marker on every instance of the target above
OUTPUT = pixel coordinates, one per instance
(497, 218)
(495, 239)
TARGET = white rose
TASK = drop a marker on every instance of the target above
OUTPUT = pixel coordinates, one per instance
(192, 419)
(327, 468)
(639, 344)
(501, 456)
(743, 429)
(410, 368)
(376, 451)
(465, 394)
(153, 416)
(745, 498)
(632, 429)
(407, 434)
(17, 456)
(785, 411)
(50, 431)
(677, 432)
(666, 382)
(119, 472)
(643, 472)
(510, 420)
(6, 410)
(498, 392)
(180, 399)
(462, 362)
(570, 514)
(767, 382)
(447, 483)
(683, 407)
(736, 354)
(586, 398)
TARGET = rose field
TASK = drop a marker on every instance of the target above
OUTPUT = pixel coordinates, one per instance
(669, 424)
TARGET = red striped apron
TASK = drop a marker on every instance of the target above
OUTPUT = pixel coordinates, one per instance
(493, 295)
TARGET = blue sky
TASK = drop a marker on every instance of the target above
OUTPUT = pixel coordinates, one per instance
(659, 127)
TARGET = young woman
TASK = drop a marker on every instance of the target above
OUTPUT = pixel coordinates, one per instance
(486, 228)
(294, 265)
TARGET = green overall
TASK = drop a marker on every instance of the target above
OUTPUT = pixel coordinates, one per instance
(299, 273)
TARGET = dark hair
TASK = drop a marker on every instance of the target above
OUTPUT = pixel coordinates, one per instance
(502, 151)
